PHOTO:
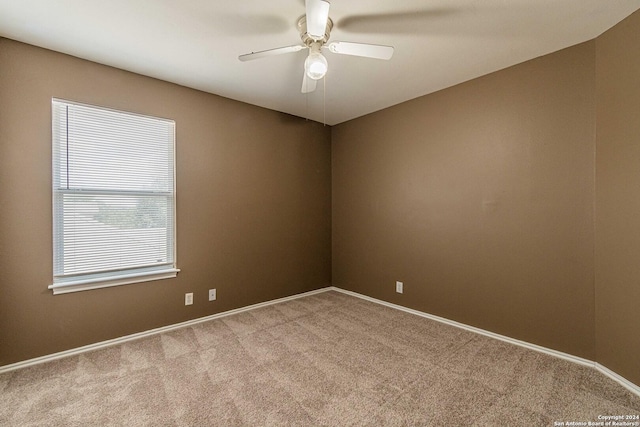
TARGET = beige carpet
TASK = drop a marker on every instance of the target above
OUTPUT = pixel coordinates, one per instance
(327, 359)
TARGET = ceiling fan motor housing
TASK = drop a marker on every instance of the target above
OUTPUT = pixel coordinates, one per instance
(306, 38)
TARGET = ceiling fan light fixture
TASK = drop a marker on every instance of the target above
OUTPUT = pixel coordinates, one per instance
(316, 65)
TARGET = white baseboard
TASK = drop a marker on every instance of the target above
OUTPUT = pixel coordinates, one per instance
(103, 344)
(555, 353)
(120, 340)
(618, 378)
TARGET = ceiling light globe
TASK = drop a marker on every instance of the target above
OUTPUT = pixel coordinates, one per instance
(316, 66)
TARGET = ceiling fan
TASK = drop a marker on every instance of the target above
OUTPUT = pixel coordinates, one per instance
(315, 29)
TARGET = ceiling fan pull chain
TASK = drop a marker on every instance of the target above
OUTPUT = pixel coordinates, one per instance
(324, 101)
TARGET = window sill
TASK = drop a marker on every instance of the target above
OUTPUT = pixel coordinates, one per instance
(124, 279)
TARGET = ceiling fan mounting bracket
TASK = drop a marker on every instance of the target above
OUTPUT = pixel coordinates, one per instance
(306, 38)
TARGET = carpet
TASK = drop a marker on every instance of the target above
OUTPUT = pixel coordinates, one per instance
(327, 359)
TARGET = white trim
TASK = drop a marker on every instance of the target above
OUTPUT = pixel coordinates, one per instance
(555, 353)
(103, 344)
(113, 110)
(132, 337)
(104, 282)
(620, 379)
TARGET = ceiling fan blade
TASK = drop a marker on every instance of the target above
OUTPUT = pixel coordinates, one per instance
(308, 85)
(270, 52)
(317, 16)
(360, 49)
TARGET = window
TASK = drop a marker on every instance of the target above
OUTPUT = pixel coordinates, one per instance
(113, 198)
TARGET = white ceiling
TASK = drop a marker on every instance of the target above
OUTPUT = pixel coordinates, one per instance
(196, 43)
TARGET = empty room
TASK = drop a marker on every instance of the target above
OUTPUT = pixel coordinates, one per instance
(320, 213)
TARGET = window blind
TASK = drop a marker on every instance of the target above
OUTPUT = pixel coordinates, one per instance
(113, 196)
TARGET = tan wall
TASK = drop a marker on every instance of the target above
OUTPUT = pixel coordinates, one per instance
(253, 205)
(480, 199)
(618, 199)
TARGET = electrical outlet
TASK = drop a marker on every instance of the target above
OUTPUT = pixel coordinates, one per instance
(188, 298)
(399, 287)
(212, 294)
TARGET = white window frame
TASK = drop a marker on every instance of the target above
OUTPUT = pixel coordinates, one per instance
(66, 283)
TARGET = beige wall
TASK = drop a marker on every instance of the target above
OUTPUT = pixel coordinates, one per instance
(618, 199)
(480, 199)
(253, 205)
